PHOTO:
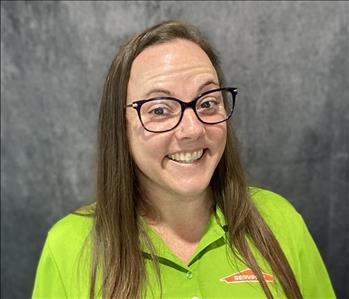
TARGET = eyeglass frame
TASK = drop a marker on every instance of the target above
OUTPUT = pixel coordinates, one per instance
(184, 105)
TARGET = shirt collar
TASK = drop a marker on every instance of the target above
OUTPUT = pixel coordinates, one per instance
(213, 237)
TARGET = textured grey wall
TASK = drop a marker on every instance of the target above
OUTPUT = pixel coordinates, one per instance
(289, 60)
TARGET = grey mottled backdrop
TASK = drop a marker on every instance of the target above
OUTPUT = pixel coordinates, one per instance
(289, 60)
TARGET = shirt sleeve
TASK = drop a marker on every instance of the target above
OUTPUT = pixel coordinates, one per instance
(315, 281)
(48, 281)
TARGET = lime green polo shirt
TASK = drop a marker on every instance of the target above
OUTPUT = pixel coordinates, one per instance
(212, 272)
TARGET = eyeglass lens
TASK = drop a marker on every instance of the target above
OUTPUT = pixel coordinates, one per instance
(164, 114)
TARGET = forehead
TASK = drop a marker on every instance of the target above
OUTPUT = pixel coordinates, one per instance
(178, 50)
(178, 62)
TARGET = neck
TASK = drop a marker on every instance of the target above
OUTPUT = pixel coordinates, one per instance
(186, 217)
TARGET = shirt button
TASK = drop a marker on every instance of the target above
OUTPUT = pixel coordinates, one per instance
(190, 276)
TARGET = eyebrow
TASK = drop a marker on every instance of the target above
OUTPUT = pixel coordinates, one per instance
(169, 93)
(158, 90)
(207, 83)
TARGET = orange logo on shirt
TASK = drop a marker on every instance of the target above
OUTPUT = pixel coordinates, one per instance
(246, 276)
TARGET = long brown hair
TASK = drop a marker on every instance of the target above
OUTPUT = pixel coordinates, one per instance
(117, 257)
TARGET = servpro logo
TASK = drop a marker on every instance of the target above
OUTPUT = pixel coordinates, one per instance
(246, 276)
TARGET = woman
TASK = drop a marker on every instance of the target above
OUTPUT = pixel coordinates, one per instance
(174, 217)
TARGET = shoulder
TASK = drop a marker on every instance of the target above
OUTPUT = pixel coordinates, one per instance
(296, 242)
(266, 197)
(71, 231)
(276, 210)
(64, 265)
(270, 203)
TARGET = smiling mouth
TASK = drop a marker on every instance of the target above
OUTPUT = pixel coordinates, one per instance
(186, 157)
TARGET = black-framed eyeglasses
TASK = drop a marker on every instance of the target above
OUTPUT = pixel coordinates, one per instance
(162, 114)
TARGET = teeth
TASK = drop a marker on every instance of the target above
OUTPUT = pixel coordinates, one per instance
(187, 157)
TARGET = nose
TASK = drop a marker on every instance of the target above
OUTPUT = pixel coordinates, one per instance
(190, 126)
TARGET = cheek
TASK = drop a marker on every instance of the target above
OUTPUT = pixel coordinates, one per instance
(136, 135)
(147, 148)
(218, 135)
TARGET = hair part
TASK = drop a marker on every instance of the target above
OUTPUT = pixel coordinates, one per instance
(117, 232)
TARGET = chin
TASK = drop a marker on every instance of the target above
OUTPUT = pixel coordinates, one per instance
(190, 190)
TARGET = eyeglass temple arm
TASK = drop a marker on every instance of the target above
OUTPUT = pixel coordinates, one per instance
(133, 105)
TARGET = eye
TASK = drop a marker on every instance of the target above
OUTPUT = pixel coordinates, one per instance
(159, 111)
(156, 110)
(208, 104)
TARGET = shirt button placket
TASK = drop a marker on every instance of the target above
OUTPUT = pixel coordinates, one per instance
(189, 275)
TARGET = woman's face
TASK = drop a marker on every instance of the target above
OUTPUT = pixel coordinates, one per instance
(180, 69)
